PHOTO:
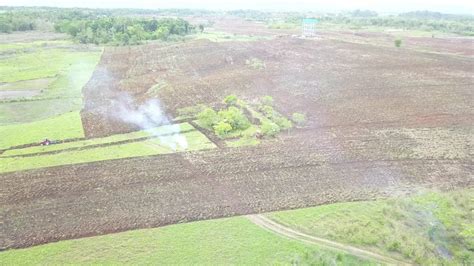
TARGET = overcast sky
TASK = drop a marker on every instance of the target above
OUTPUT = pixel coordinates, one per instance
(447, 6)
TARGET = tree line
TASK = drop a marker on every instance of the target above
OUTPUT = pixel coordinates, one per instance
(100, 26)
(123, 30)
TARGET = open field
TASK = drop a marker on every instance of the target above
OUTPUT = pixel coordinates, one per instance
(381, 122)
(65, 126)
(425, 238)
(431, 228)
(225, 241)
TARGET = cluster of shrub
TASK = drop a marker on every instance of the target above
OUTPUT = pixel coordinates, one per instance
(232, 121)
(123, 30)
(226, 121)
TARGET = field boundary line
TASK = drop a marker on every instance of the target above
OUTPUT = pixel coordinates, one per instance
(282, 230)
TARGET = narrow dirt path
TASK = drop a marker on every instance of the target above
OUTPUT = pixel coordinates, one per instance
(268, 224)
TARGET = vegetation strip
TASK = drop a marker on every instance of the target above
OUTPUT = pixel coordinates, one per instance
(97, 145)
(266, 223)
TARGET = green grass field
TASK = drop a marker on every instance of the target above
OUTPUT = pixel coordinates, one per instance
(160, 145)
(431, 228)
(64, 126)
(67, 71)
(58, 70)
(231, 241)
(40, 64)
(95, 141)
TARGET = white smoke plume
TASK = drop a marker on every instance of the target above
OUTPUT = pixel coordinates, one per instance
(148, 116)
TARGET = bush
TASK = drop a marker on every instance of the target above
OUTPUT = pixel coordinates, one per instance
(222, 129)
(235, 117)
(299, 119)
(230, 100)
(267, 100)
(270, 129)
(208, 117)
(398, 43)
(283, 123)
(267, 111)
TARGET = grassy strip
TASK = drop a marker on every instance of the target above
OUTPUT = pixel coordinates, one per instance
(195, 139)
(65, 126)
(234, 241)
(96, 141)
(242, 142)
(29, 45)
(218, 36)
(430, 229)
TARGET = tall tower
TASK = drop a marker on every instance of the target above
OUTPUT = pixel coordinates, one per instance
(309, 27)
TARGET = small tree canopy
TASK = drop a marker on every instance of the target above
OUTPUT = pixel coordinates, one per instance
(208, 117)
(230, 99)
(222, 129)
(270, 129)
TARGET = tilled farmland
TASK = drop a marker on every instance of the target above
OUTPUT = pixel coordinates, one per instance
(381, 122)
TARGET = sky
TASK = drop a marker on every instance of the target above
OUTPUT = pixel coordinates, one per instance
(382, 6)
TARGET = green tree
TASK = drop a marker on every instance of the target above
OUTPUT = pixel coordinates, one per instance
(267, 110)
(208, 117)
(161, 33)
(222, 129)
(235, 117)
(283, 122)
(270, 129)
(230, 99)
(201, 28)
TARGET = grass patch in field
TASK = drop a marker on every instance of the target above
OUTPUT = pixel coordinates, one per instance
(65, 126)
(71, 70)
(32, 111)
(218, 36)
(16, 47)
(34, 84)
(242, 142)
(154, 146)
(431, 228)
(231, 241)
(43, 63)
(96, 141)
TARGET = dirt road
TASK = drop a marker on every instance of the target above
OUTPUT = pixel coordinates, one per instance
(268, 224)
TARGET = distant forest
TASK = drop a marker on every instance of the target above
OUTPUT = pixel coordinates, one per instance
(99, 26)
(133, 26)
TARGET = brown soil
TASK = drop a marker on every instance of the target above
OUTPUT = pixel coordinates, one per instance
(382, 122)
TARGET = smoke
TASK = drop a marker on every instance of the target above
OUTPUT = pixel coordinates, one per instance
(150, 116)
